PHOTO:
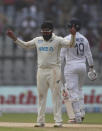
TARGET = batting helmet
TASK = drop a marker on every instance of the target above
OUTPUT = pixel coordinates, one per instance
(74, 22)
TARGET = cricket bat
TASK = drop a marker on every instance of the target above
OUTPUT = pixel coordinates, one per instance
(69, 108)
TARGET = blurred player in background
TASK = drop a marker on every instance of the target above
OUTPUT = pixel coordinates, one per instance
(74, 70)
(49, 72)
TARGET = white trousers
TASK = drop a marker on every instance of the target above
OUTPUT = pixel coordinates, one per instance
(49, 78)
(74, 77)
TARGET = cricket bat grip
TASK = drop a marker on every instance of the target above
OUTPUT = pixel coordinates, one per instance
(65, 93)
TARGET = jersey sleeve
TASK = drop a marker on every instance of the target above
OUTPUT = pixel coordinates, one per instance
(30, 44)
(66, 43)
(88, 55)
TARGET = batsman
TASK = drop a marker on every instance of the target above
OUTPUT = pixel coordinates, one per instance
(48, 47)
(74, 72)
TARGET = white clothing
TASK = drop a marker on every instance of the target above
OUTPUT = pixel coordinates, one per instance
(75, 69)
(79, 53)
(49, 72)
(48, 51)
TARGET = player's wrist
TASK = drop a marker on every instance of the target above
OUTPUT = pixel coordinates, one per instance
(91, 68)
(14, 38)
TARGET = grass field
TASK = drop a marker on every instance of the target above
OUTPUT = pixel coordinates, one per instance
(90, 119)
(50, 129)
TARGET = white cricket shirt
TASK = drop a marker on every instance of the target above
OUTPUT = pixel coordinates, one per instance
(79, 53)
(48, 52)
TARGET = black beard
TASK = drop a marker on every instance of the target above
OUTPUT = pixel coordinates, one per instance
(47, 37)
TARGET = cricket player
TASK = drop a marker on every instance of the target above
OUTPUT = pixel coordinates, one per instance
(49, 72)
(74, 64)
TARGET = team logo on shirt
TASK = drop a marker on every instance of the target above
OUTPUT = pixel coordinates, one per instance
(51, 49)
(40, 41)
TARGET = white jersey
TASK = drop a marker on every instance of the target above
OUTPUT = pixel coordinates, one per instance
(79, 53)
(48, 51)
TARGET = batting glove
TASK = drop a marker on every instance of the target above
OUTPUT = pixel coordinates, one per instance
(92, 75)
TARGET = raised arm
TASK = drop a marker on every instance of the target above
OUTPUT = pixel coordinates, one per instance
(11, 35)
(29, 44)
(73, 33)
(65, 43)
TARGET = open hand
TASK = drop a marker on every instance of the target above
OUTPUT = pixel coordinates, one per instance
(73, 31)
(11, 34)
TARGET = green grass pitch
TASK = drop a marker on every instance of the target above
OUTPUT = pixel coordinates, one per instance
(91, 118)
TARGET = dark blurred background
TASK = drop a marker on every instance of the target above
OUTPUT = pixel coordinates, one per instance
(18, 66)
